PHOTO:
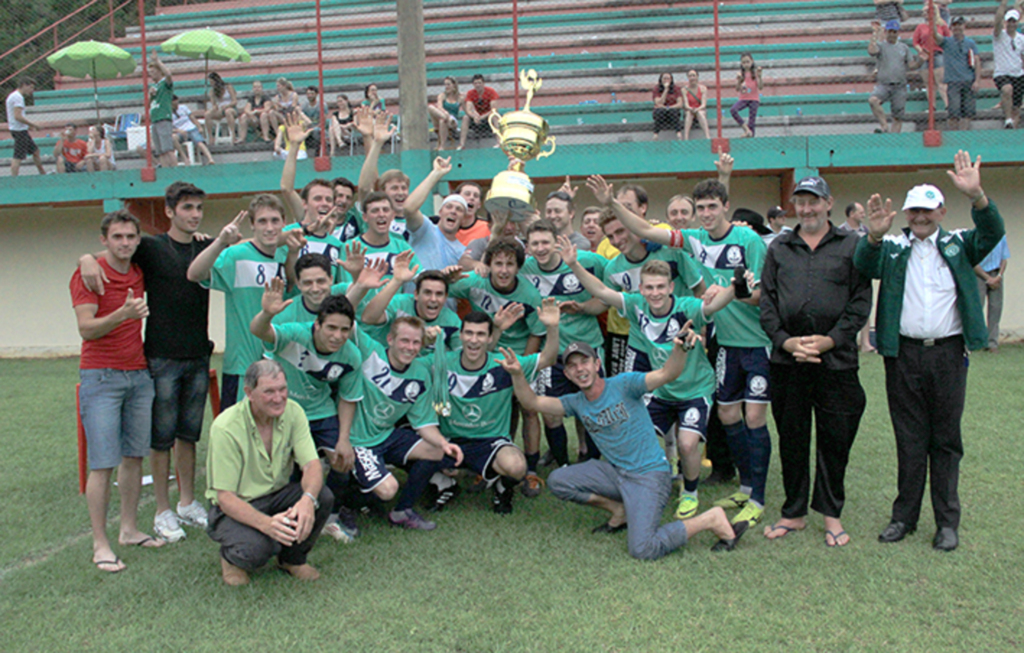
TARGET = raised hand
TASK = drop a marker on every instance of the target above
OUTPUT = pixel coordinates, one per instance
(372, 276)
(231, 233)
(601, 189)
(966, 176)
(383, 128)
(566, 250)
(686, 338)
(724, 164)
(442, 165)
(295, 239)
(364, 122)
(273, 301)
(549, 314)
(570, 307)
(880, 216)
(510, 362)
(355, 258)
(402, 268)
(568, 188)
(134, 308)
(295, 131)
(508, 315)
(454, 273)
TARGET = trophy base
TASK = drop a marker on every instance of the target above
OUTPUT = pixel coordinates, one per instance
(517, 209)
(511, 192)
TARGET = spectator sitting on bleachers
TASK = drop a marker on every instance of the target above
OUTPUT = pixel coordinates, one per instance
(479, 101)
(886, 10)
(895, 58)
(258, 110)
(696, 105)
(748, 85)
(185, 128)
(221, 105)
(340, 131)
(961, 55)
(285, 99)
(310, 106)
(445, 111)
(668, 105)
(371, 99)
(70, 152)
(100, 149)
(926, 46)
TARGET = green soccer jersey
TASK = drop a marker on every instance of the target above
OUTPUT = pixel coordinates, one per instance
(160, 101)
(295, 312)
(656, 334)
(311, 373)
(403, 305)
(351, 226)
(481, 400)
(738, 324)
(240, 272)
(327, 245)
(484, 297)
(563, 285)
(389, 395)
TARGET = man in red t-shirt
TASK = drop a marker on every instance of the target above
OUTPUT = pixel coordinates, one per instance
(116, 393)
(70, 152)
(478, 107)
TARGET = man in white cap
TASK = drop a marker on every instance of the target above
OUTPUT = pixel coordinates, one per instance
(929, 314)
(1008, 74)
(437, 245)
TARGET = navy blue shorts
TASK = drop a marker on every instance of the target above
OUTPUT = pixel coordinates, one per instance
(690, 415)
(636, 361)
(325, 432)
(371, 463)
(479, 453)
(742, 374)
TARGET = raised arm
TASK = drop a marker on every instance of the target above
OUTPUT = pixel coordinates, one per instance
(876, 29)
(603, 193)
(375, 311)
(273, 302)
(419, 195)
(592, 284)
(997, 24)
(199, 269)
(374, 137)
(164, 70)
(673, 367)
(724, 164)
(527, 397)
(296, 134)
(549, 315)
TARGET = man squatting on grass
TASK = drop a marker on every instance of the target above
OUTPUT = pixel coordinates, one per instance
(635, 480)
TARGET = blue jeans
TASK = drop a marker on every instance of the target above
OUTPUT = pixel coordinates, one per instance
(643, 495)
(181, 387)
(117, 410)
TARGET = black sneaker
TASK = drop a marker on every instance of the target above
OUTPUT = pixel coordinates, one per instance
(347, 518)
(444, 497)
(502, 501)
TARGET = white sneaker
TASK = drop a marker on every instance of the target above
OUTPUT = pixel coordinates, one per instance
(166, 526)
(334, 529)
(194, 514)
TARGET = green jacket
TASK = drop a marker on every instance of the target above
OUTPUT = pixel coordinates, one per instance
(961, 249)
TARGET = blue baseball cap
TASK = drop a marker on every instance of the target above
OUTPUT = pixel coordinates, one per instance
(892, 25)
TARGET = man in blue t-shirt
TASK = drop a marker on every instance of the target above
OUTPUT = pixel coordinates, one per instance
(634, 481)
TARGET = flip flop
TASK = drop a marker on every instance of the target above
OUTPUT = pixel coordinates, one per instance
(780, 527)
(147, 542)
(104, 565)
(835, 538)
(608, 528)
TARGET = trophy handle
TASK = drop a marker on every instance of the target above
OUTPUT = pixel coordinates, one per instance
(490, 121)
(550, 139)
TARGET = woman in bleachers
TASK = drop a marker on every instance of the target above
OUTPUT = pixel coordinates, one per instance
(371, 99)
(341, 131)
(285, 99)
(258, 110)
(696, 105)
(926, 47)
(445, 111)
(748, 85)
(100, 149)
(221, 105)
(668, 105)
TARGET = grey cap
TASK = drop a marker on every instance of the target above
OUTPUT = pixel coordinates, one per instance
(814, 186)
(578, 347)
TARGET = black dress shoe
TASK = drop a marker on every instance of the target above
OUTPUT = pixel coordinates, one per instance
(946, 539)
(896, 531)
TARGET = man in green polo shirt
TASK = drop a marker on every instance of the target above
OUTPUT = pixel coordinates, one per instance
(257, 513)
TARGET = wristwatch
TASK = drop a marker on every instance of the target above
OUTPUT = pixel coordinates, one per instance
(316, 504)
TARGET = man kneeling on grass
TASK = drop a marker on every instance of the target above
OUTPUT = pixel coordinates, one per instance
(257, 512)
(635, 481)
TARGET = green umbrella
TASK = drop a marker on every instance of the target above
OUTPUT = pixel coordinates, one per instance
(206, 44)
(92, 59)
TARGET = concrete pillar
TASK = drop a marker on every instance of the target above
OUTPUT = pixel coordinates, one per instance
(412, 75)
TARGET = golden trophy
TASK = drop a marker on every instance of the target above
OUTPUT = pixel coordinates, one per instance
(523, 135)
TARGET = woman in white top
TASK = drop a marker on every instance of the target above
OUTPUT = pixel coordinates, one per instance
(221, 105)
(100, 149)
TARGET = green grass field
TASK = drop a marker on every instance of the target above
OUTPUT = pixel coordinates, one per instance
(535, 581)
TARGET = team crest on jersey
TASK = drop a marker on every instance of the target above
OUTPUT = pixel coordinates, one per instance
(691, 417)
(334, 371)
(734, 256)
(673, 328)
(487, 384)
(412, 390)
(952, 250)
(570, 283)
(758, 385)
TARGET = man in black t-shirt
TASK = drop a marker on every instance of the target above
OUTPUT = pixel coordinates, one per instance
(177, 348)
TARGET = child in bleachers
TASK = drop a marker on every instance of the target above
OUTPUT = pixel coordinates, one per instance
(748, 85)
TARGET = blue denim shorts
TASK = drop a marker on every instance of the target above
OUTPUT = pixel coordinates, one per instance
(181, 387)
(117, 412)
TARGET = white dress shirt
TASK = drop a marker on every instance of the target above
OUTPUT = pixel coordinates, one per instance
(929, 293)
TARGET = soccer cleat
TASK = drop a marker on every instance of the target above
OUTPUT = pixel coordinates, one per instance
(502, 501)
(478, 484)
(733, 501)
(166, 526)
(532, 485)
(750, 514)
(347, 520)
(334, 529)
(194, 514)
(410, 519)
(445, 496)
(688, 504)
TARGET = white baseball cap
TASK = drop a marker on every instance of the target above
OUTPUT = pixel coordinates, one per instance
(456, 198)
(1013, 14)
(924, 196)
